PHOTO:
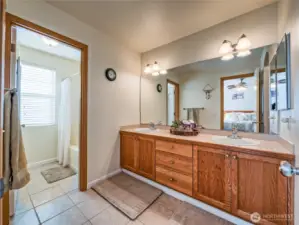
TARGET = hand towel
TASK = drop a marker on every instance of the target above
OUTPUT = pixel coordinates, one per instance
(14, 152)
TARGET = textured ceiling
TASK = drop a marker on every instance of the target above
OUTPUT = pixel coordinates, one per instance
(144, 25)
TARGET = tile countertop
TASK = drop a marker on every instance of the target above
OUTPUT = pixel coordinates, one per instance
(275, 148)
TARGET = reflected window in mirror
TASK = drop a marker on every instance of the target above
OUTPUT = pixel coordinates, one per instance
(273, 87)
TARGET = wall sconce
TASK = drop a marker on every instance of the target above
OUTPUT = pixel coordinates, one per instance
(241, 48)
(208, 89)
(154, 69)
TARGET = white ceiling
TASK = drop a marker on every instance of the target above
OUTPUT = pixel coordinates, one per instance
(146, 24)
(34, 40)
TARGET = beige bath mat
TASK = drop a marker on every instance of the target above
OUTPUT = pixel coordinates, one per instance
(57, 173)
(128, 194)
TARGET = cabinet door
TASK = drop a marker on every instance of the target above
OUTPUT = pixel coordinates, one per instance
(258, 187)
(146, 157)
(211, 176)
(129, 152)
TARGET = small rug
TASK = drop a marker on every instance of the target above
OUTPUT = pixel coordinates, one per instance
(57, 173)
(129, 195)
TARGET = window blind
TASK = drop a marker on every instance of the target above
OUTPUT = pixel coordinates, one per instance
(37, 96)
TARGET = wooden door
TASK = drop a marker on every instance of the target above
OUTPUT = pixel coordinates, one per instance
(172, 101)
(129, 152)
(258, 187)
(211, 176)
(4, 207)
(146, 157)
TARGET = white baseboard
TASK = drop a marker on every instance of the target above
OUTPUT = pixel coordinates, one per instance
(92, 183)
(190, 200)
(40, 163)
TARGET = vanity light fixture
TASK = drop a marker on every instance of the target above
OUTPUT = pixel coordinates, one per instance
(154, 69)
(155, 74)
(241, 48)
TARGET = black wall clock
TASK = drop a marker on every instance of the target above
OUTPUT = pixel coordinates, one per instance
(110, 74)
(159, 88)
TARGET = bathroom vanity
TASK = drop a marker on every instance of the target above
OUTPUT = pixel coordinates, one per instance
(239, 179)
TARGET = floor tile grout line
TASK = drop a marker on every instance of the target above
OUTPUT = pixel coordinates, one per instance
(58, 214)
(39, 221)
(42, 190)
(49, 200)
(99, 212)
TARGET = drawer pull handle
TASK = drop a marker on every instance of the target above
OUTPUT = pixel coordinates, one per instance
(171, 162)
(226, 155)
(171, 179)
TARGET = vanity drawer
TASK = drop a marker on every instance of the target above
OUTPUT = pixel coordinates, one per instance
(177, 181)
(179, 149)
(180, 163)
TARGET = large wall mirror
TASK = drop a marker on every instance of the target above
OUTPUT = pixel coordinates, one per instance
(220, 93)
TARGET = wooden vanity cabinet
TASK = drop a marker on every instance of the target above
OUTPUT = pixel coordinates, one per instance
(258, 186)
(146, 157)
(237, 182)
(138, 155)
(212, 176)
(129, 152)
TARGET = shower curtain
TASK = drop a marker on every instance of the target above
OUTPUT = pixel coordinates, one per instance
(64, 123)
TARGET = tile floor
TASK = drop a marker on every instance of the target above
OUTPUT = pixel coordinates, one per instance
(61, 203)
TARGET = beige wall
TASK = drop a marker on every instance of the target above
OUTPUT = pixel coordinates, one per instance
(288, 21)
(153, 103)
(36, 137)
(259, 25)
(110, 104)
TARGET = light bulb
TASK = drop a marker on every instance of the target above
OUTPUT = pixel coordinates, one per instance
(227, 57)
(242, 88)
(243, 43)
(155, 74)
(226, 48)
(244, 53)
(163, 72)
(156, 66)
(50, 42)
(148, 69)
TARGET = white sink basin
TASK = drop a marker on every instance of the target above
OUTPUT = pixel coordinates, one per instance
(237, 142)
(145, 130)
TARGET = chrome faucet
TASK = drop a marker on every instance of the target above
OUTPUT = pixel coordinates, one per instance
(234, 134)
(152, 125)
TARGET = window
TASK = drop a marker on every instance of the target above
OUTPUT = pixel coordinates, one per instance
(37, 98)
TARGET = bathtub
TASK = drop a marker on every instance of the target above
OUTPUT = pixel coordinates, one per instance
(74, 157)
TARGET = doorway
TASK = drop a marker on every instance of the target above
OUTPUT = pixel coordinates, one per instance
(240, 102)
(34, 81)
(173, 102)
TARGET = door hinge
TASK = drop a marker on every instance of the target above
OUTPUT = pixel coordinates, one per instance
(2, 189)
(13, 48)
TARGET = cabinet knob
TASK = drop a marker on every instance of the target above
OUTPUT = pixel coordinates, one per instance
(171, 162)
(172, 146)
(171, 179)
(234, 157)
(226, 155)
